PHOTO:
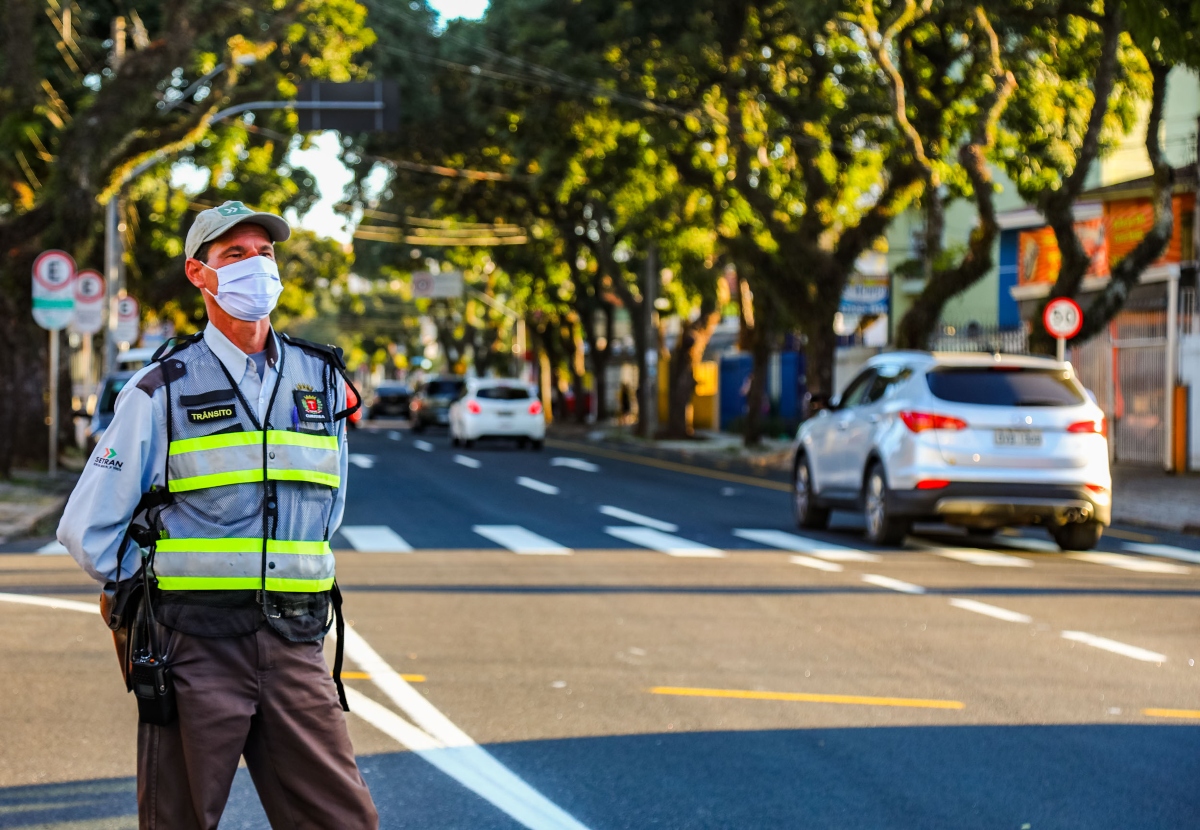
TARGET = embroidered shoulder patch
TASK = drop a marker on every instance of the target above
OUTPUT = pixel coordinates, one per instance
(218, 412)
(310, 407)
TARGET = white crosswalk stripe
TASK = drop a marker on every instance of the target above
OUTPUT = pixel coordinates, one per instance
(394, 435)
(468, 461)
(540, 486)
(374, 539)
(892, 584)
(802, 544)
(519, 540)
(984, 558)
(1129, 563)
(637, 518)
(358, 459)
(423, 446)
(1165, 551)
(575, 464)
(666, 543)
(1124, 649)
(816, 564)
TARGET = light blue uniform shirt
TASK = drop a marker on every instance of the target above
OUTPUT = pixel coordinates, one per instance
(132, 454)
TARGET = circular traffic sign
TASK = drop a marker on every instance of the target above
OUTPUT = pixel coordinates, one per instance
(54, 270)
(89, 303)
(89, 287)
(1063, 318)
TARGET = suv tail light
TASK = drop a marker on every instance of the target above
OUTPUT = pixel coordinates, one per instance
(535, 408)
(1097, 427)
(932, 484)
(473, 407)
(921, 421)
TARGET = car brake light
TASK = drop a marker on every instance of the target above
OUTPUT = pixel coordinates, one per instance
(932, 484)
(535, 408)
(1098, 427)
(1096, 488)
(921, 421)
(473, 407)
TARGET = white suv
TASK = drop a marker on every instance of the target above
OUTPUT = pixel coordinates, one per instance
(976, 440)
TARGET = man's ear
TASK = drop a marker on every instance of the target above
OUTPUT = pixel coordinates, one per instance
(194, 269)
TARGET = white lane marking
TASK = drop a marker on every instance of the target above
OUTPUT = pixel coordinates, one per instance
(374, 539)
(448, 747)
(1165, 551)
(423, 446)
(468, 461)
(802, 544)
(442, 743)
(991, 610)
(637, 518)
(51, 602)
(1129, 563)
(984, 558)
(393, 434)
(648, 537)
(540, 486)
(1023, 543)
(817, 564)
(575, 464)
(1115, 647)
(360, 460)
(52, 548)
(519, 540)
(892, 584)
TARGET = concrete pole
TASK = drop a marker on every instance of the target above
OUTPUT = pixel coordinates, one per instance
(112, 279)
(53, 403)
(1172, 358)
(648, 406)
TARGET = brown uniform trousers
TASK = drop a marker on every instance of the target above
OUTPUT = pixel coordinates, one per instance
(268, 699)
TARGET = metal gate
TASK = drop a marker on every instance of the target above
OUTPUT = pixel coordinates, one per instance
(1126, 369)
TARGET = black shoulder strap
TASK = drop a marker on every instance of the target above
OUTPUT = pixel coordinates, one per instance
(335, 596)
(333, 355)
(174, 344)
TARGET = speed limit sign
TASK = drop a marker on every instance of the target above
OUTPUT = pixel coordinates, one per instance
(1063, 318)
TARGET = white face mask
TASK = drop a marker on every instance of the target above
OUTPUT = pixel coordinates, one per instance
(249, 288)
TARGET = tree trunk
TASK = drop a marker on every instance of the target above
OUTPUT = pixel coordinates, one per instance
(681, 389)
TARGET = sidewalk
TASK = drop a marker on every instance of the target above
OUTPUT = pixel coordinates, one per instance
(30, 502)
(1141, 495)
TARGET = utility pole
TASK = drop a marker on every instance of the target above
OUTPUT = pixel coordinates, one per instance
(648, 405)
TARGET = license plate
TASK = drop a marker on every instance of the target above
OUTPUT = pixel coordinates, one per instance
(505, 414)
(1018, 438)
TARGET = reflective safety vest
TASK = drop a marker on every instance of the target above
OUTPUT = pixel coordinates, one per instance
(250, 501)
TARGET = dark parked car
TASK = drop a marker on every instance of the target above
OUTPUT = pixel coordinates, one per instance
(106, 403)
(431, 405)
(391, 400)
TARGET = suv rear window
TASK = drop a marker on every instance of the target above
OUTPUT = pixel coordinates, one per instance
(1005, 386)
(443, 388)
(502, 393)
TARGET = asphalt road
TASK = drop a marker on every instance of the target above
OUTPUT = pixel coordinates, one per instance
(570, 639)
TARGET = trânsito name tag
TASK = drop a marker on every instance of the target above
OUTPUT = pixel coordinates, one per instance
(218, 412)
(310, 407)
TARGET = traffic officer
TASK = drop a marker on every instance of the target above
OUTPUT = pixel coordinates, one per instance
(236, 436)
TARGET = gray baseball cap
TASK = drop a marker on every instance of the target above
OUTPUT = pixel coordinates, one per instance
(213, 222)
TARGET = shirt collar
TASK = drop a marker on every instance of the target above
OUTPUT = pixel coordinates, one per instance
(233, 358)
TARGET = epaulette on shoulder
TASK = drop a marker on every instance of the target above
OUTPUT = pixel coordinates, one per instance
(169, 367)
(328, 352)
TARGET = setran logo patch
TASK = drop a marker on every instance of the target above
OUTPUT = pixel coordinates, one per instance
(106, 459)
(212, 413)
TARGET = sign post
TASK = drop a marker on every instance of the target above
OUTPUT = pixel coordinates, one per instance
(53, 308)
(128, 321)
(1063, 318)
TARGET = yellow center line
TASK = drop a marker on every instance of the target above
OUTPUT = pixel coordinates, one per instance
(362, 675)
(803, 697)
(671, 465)
(1186, 714)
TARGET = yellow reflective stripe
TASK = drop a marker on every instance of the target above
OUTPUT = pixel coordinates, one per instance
(299, 439)
(249, 545)
(306, 548)
(177, 485)
(214, 442)
(209, 583)
(313, 476)
(238, 583)
(300, 586)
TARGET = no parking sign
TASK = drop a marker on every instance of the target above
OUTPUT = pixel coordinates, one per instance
(89, 303)
(53, 292)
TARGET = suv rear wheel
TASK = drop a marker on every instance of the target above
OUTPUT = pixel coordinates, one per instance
(882, 527)
(809, 515)
(1082, 536)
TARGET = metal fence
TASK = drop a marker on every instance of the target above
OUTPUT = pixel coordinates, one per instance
(976, 338)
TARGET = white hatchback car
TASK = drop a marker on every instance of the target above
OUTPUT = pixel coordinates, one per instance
(976, 440)
(497, 408)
